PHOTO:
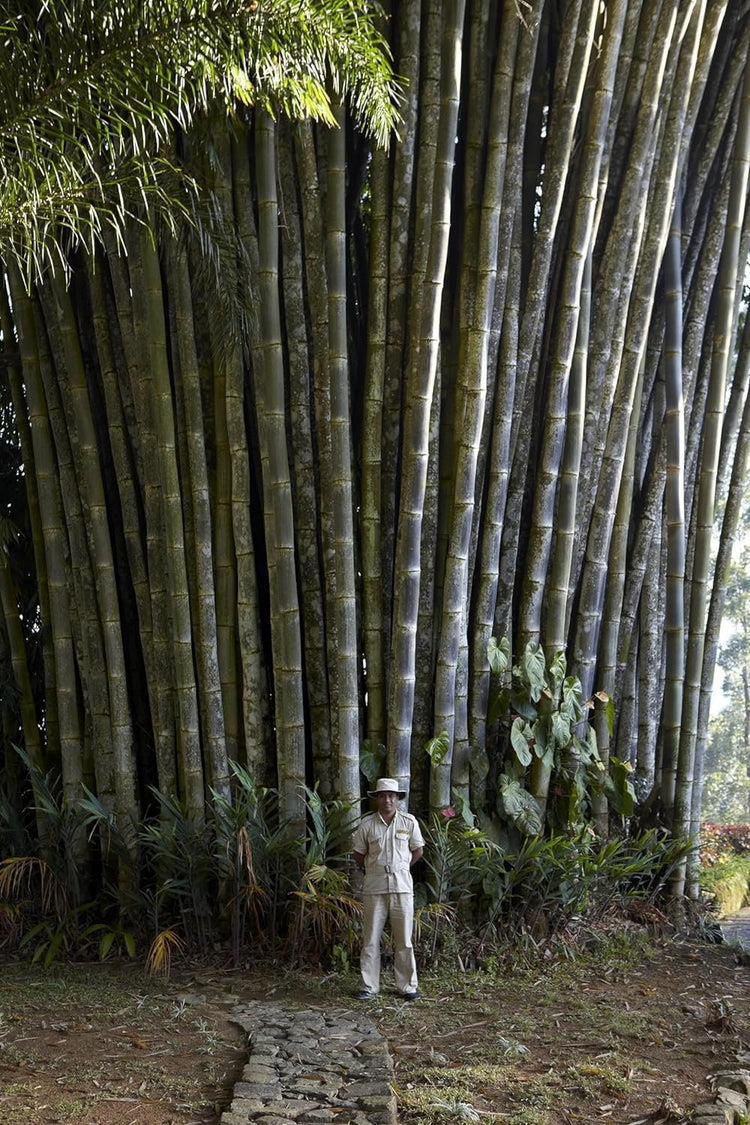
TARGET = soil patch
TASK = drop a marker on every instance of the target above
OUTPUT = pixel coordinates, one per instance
(622, 1040)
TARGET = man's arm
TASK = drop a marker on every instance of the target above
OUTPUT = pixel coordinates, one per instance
(359, 859)
(416, 855)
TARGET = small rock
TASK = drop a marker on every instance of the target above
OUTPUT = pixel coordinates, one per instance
(738, 1080)
(725, 1096)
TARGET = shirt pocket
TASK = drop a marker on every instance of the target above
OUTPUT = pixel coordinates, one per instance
(403, 848)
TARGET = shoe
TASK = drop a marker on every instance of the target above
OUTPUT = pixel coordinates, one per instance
(410, 995)
(365, 994)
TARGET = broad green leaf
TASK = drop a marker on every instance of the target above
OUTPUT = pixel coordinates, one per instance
(438, 747)
(371, 759)
(535, 669)
(541, 733)
(572, 692)
(463, 808)
(520, 742)
(619, 788)
(557, 669)
(548, 758)
(498, 654)
(520, 807)
(520, 704)
(561, 731)
(610, 713)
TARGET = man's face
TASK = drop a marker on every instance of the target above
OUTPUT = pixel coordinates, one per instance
(387, 805)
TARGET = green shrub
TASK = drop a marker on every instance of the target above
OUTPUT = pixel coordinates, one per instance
(721, 841)
(727, 881)
(492, 895)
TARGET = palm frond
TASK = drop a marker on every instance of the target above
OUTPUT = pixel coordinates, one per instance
(92, 94)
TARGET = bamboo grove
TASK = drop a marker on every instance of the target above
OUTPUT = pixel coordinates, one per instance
(299, 477)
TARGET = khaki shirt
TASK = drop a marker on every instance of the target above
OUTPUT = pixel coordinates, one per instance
(387, 850)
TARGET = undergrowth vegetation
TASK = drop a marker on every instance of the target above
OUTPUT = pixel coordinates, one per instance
(725, 865)
(239, 882)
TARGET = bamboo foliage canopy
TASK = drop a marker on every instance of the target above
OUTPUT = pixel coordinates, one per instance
(425, 457)
(92, 94)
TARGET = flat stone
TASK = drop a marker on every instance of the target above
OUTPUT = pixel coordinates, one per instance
(725, 1096)
(264, 1090)
(734, 1080)
(364, 1089)
(378, 1103)
(248, 1106)
(294, 1108)
(255, 1072)
(371, 1048)
(307, 1067)
(711, 1114)
(306, 1085)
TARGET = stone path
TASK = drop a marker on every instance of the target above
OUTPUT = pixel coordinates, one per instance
(307, 1067)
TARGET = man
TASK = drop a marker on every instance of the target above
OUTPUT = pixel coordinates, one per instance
(387, 844)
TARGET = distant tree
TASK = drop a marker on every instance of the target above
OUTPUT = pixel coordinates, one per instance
(726, 792)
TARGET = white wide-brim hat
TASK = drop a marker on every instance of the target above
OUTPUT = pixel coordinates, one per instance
(386, 785)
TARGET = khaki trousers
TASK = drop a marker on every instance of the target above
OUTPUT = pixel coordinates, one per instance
(376, 910)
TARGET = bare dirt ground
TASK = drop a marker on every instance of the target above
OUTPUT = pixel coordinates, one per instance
(631, 1039)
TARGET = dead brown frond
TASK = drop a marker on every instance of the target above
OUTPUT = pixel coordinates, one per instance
(254, 898)
(325, 908)
(159, 959)
(10, 923)
(29, 877)
(245, 851)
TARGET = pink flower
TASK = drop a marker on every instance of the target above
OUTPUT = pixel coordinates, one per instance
(448, 812)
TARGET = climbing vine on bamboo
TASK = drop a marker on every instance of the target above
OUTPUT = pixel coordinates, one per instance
(551, 764)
